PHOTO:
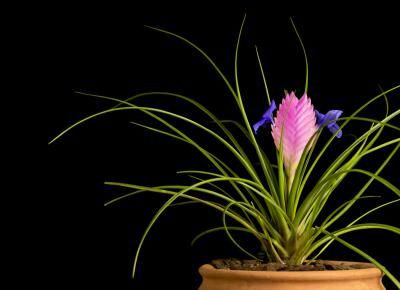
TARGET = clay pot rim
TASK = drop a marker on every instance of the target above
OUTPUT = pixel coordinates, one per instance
(209, 271)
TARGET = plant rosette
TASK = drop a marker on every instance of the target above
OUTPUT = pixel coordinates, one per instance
(273, 201)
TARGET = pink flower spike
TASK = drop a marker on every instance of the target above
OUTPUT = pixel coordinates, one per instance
(297, 118)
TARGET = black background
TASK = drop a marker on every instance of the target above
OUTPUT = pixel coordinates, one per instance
(108, 51)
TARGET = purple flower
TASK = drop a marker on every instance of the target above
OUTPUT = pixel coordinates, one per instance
(266, 118)
(329, 118)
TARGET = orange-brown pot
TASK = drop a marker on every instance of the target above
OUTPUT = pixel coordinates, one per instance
(360, 279)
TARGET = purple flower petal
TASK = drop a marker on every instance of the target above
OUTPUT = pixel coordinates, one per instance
(266, 117)
(329, 118)
(261, 123)
(320, 118)
(333, 128)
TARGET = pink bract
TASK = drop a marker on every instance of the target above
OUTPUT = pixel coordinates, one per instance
(297, 118)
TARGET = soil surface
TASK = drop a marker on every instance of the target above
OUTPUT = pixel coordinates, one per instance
(254, 265)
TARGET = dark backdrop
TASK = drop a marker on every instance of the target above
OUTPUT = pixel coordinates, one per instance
(109, 52)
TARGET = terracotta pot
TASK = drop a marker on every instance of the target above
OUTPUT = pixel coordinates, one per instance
(360, 279)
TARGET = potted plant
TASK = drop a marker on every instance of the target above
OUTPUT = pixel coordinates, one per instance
(272, 199)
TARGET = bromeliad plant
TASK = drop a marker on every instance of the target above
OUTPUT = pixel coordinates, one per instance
(271, 201)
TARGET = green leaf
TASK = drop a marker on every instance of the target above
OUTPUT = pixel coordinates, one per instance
(201, 52)
(366, 256)
(304, 52)
(263, 76)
